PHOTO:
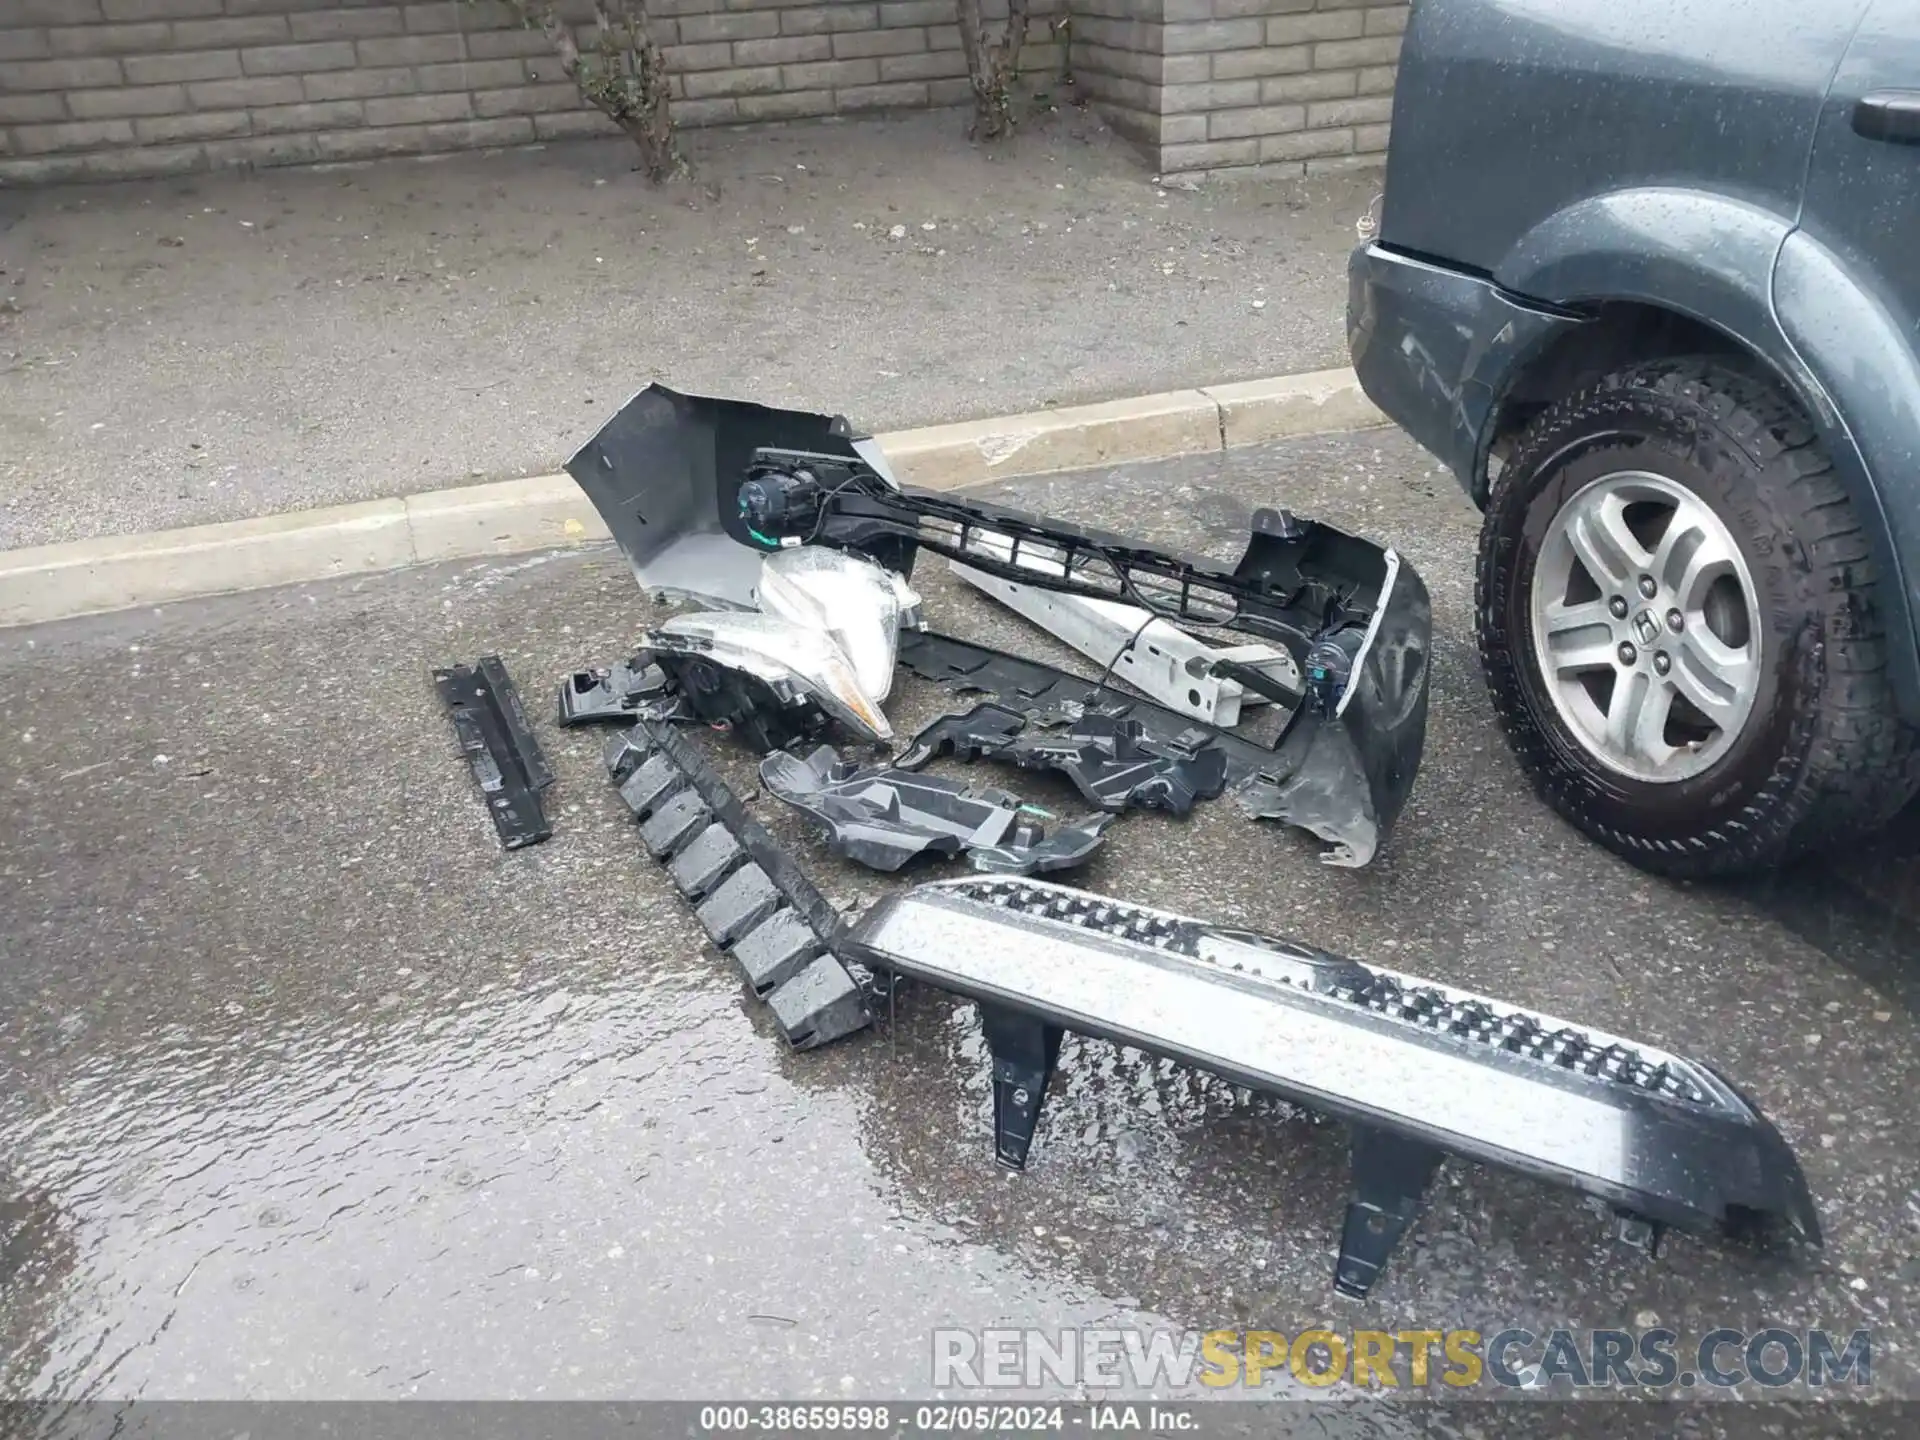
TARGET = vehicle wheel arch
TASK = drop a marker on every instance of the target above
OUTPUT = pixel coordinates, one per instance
(1616, 335)
(1656, 273)
(1675, 303)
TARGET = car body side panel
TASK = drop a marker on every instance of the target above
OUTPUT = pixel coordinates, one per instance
(1701, 254)
(1863, 190)
(1559, 100)
(1847, 287)
(1553, 156)
(1862, 361)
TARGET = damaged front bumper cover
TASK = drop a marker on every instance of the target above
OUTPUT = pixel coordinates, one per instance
(1419, 1070)
(696, 490)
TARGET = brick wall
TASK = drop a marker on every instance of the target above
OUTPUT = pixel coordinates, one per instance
(103, 88)
(1284, 82)
(1117, 62)
(1221, 85)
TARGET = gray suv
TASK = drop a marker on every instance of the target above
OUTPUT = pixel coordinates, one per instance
(1647, 277)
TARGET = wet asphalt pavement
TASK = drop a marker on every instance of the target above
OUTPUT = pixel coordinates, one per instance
(307, 1090)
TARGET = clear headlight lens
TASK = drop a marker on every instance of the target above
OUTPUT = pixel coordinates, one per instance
(786, 656)
(849, 597)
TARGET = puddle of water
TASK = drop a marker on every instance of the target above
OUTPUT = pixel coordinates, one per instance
(611, 1192)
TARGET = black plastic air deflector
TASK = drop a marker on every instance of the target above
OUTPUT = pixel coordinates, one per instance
(749, 895)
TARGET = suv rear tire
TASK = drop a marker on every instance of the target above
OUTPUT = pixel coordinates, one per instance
(1677, 620)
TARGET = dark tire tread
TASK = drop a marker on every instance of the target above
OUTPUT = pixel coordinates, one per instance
(1849, 763)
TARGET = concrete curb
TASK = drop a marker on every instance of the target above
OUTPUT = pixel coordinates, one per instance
(119, 572)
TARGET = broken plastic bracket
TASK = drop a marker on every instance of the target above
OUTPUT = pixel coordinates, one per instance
(1114, 762)
(491, 725)
(610, 694)
(882, 817)
(747, 893)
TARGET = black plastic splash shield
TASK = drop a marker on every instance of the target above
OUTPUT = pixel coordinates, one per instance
(1113, 762)
(491, 725)
(1419, 1070)
(747, 893)
(882, 817)
(1339, 777)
